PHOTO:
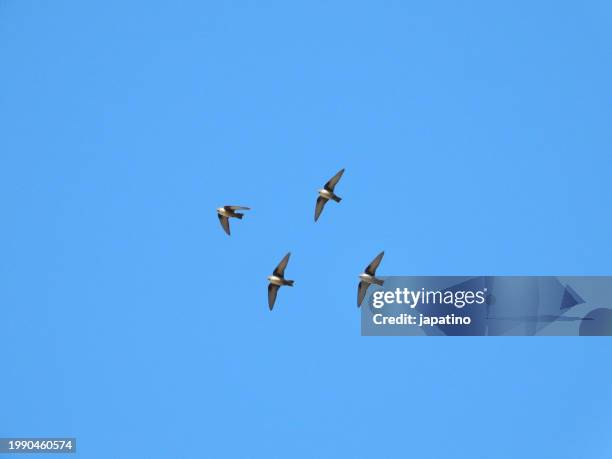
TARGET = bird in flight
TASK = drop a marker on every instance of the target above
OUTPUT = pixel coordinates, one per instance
(226, 212)
(326, 193)
(369, 277)
(277, 279)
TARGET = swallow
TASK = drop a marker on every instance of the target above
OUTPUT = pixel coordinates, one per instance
(277, 279)
(369, 277)
(226, 212)
(326, 193)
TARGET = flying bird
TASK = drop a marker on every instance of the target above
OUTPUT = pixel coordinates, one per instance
(326, 193)
(369, 277)
(226, 212)
(277, 279)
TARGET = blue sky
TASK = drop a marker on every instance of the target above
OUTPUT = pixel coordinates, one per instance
(476, 140)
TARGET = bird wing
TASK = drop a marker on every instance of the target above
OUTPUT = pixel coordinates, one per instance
(236, 208)
(280, 269)
(361, 291)
(321, 201)
(224, 223)
(329, 186)
(371, 269)
(272, 292)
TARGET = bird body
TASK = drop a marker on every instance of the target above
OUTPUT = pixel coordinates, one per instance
(370, 279)
(280, 281)
(229, 213)
(326, 194)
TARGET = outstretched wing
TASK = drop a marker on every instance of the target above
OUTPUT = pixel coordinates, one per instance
(236, 208)
(272, 292)
(224, 223)
(280, 269)
(361, 291)
(371, 269)
(329, 186)
(321, 201)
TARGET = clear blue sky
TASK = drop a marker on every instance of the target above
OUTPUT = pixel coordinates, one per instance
(476, 139)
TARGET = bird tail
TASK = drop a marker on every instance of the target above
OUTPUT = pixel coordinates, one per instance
(289, 283)
(237, 215)
(378, 281)
(336, 198)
